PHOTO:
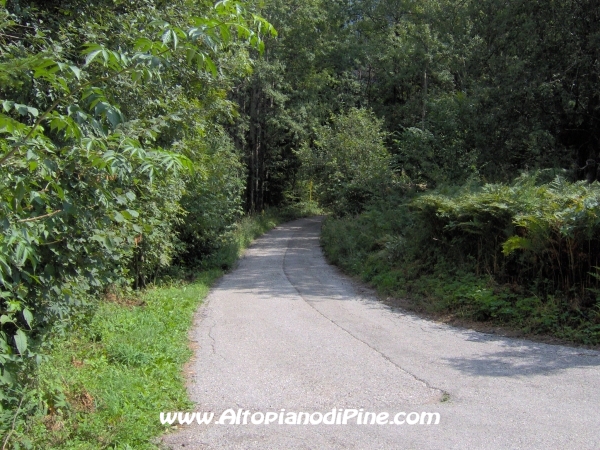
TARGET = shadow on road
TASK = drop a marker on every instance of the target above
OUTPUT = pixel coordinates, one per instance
(272, 270)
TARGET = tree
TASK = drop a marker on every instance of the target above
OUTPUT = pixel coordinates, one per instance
(100, 111)
(348, 162)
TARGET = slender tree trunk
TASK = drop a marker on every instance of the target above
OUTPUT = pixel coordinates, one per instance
(262, 150)
(257, 152)
(424, 113)
(253, 143)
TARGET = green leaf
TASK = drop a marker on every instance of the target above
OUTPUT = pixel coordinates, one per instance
(210, 65)
(7, 377)
(8, 105)
(28, 317)
(190, 54)
(91, 56)
(126, 214)
(166, 37)
(5, 319)
(143, 44)
(9, 125)
(225, 33)
(76, 71)
(4, 267)
(514, 243)
(114, 116)
(21, 109)
(136, 75)
(21, 341)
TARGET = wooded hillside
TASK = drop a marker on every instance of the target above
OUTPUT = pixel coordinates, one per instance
(461, 137)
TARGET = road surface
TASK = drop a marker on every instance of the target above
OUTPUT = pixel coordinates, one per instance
(286, 331)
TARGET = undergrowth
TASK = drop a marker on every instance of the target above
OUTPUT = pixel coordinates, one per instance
(523, 255)
(105, 384)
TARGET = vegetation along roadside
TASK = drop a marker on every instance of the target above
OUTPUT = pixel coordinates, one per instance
(103, 384)
(521, 257)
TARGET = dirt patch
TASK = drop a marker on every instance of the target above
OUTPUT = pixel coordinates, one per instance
(128, 302)
(77, 363)
(53, 422)
(82, 401)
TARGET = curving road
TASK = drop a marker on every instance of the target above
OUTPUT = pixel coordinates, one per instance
(285, 330)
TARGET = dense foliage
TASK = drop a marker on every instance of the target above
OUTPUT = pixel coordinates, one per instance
(524, 254)
(348, 163)
(105, 115)
(463, 88)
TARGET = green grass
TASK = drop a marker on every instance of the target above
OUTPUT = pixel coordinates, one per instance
(103, 385)
(109, 381)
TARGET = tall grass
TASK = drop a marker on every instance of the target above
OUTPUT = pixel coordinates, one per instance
(104, 385)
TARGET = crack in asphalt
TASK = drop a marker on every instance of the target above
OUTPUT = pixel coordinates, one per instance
(212, 339)
(443, 394)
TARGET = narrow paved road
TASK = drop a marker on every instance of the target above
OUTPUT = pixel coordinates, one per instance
(286, 331)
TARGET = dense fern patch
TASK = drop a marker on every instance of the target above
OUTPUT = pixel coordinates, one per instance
(524, 254)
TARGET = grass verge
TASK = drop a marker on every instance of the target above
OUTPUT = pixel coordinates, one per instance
(106, 383)
(103, 385)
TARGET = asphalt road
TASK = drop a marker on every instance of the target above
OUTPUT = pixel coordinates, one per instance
(285, 330)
